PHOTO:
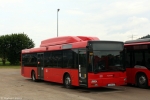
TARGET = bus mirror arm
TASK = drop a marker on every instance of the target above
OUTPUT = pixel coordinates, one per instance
(125, 50)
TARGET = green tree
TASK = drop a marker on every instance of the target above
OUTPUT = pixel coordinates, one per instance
(4, 44)
(13, 44)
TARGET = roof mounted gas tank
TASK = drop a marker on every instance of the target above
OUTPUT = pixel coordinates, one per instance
(66, 40)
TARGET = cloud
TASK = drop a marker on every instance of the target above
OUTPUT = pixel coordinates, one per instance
(132, 28)
(118, 9)
(106, 19)
(75, 12)
(127, 7)
(9, 1)
(135, 21)
(130, 23)
(4, 3)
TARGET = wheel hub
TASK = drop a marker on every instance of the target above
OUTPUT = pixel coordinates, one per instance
(33, 77)
(67, 81)
(142, 80)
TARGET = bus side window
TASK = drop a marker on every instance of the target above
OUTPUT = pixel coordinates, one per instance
(128, 60)
(138, 63)
(139, 58)
(68, 59)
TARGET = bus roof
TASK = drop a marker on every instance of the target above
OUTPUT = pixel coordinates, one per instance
(138, 41)
(59, 43)
(66, 40)
(31, 50)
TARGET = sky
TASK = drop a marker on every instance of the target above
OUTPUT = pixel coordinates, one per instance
(117, 20)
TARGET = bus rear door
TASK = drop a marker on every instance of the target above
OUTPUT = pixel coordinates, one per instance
(40, 66)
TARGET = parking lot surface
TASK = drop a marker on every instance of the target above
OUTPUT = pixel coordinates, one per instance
(15, 87)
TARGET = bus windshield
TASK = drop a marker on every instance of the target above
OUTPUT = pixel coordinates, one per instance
(107, 61)
(107, 57)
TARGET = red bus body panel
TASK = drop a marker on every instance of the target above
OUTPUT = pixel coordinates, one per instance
(132, 72)
(105, 78)
(27, 71)
(57, 75)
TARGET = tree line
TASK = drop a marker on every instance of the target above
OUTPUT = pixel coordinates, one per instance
(147, 36)
(11, 46)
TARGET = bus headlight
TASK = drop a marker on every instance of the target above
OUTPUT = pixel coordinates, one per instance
(93, 81)
(125, 79)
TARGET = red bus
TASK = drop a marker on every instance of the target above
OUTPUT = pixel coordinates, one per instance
(76, 61)
(138, 62)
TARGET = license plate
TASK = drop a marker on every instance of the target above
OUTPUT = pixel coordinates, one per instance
(111, 84)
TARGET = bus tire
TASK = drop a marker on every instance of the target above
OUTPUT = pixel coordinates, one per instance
(142, 81)
(67, 81)
(33, 76)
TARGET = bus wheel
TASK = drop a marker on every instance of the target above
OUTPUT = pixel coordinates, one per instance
(67, 81)
(33, 76)
(142, 81)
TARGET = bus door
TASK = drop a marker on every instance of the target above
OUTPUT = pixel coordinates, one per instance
(40, 65)
(82, 67)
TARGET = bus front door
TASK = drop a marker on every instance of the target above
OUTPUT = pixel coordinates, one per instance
(40, 65)
(82, 68)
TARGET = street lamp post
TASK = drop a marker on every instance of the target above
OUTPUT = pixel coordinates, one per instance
(57, 21)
